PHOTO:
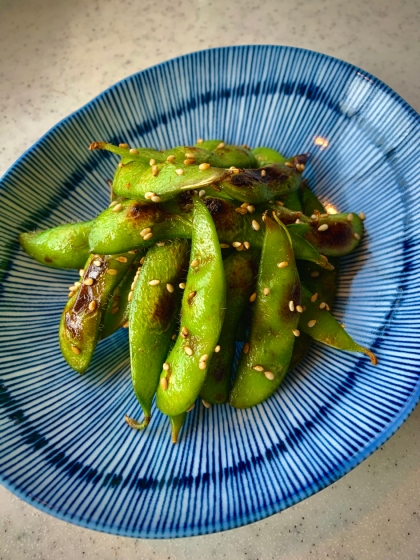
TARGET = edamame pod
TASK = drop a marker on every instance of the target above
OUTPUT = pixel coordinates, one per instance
(274, 318)
(176, 424)
(310, 202)
(240, 271)
(202, 314)
(267, 156)
(153, 316)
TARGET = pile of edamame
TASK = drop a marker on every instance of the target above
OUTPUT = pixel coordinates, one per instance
(201, 247)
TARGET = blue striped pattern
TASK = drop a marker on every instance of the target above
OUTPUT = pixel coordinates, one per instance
(64, 446)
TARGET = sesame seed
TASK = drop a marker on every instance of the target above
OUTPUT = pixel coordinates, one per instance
(350, 217)
(133, 285)
(224, 245)
(171, 159)
(93, 305)
(201, 193)
(155, 170)
(315, 274)
(122, 259)
(312, 323)
(164, 383)
(191, 295)
(190, 408)
(114, 310)
(314, 297)
(188, 350)
(75, 350)
(88, 282)
(204, 357)
(263, 173)
(120, 165)
(253, 297)
(279, 202)
(251, 209)
(70, 294)
(130, 296)
(149, 195)
(165, 366)
(113, 203)
(194, 263)
(145, 231)
(189, 155)
(247, 245)
(123, 145)
(269, 375)
(283, 264)
(205, 403)
(322, 305)
(362, 215)
(342, 325)
(202, 365)
(220, 146)
(72, 288)
(234, 170)
(112, 271)
(299, 308)
(133, 252)
(148, 236)
(266, 291)
(117, 207)
(184, 332)
(241, 211)
(313, 217)
(200, 141)
(288, 164)
(179, 171)
(217, 349)
(298, 221)
(142, 261)
(173, 337)
(356, 236)
(154, 282)
(291, 305)
(255, 225)
(323, 227)
(245, 349)
(152, 162)
(156, 198)
(236, 244)
(296, 332)
(126, 325)
(134, 151)
(182, 285)
(189, 161)
(258, 368)
(160, 244)
(170, 288)
(327, 307)
(77, 284)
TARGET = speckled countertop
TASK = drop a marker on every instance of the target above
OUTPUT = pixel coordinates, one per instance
(54, 57)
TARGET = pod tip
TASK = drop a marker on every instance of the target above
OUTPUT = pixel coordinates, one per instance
(372, 356)
(135, 424)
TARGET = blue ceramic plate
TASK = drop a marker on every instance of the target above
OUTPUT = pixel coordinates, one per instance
(64, 446)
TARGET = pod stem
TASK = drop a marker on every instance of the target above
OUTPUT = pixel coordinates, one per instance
(137, 425)
(371, 355)
(123, 152)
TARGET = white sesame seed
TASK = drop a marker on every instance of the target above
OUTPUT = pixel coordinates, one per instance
(327, 307)
(88, 282)
(288, 164)
(236, 244)
(258, 368)
(356, 236)
(191, 295)
(170, 288)
(133, 252)
(114, 310)
(200, 141)
(322, 305)
(291, 305)
(279, 202)
(75, 350)
(283, 264)
(133, 285)
(194, 263)
(126, 325)
(154, 282)
(152, 162)
(117, 207)
(72, 288)
(165, 366)
(173, 336)
(148, 236)
(179, 171)
(164, 383)
(350, 217)
(93, 305)
(298, 221)
(97, 263)
(190, 408)
(299, 308)
(266, 291)
(314, 297)
(130, 296)
(296, 332)
(245, 349)
(160, 244)
(202, 365)
(201, 193)
(141, 262)
(120, 165)
(184, 331)
(112, 271)
(123, 145)
(149, 195)
(251, 209)
(220, 146)
(155, 170)
(113, 203)
(171, 159)
(182, 285)
(204, 357)
(247, 245)
(217, 349)
(313, 217)
(263, 173)
(224, 245)
(312, 323)
(145, 231)
(323, 227)
(255, 225)
(77, 284)
(188, 351)
(189, 161)
(253, 297)
(362, 215)
(122, 259)
(315, 274)
(205, 403)
(156, 198)
(241, 211)
(134, 151)
(342, 325)
(269, 375)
